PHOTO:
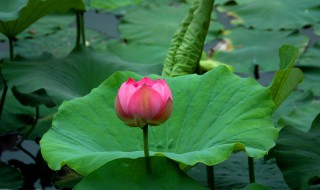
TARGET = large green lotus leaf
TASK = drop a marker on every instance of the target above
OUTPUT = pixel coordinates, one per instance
(274, 14)
(213, 115)
(60, 44)
(11, 178)
(69, 77)
(45, 26)
(128, 173)
(249, 47)
(298, 156)
(233, 173)
(35, 9)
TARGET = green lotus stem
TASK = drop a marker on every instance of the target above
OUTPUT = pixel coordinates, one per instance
(251, 170)
(78, 29)
(27, 152)
(210, 177)
(32, 127)
(146, 148)
(11, 48)
(3, 96)
(82, 28)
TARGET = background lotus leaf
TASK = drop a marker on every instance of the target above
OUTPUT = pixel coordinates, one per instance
(69, 77)
(34, 10)
(245, 48)
(233, 173)
(298, 154)
(269, 12)
(11, 178)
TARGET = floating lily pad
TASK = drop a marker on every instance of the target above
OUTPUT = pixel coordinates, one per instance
(131, 174)
(59, 44)
(273, 14)
(45, 26)
(112, 4)
(298, 156)
(11, 178)
(317, 29)
(311, 57)
(14, 24)
(146, 26)
(249, 47)
(231, 114)
(69, 77)
(136, 53)
(311, 79)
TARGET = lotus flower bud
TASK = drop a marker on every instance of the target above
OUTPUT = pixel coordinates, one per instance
(144, 102)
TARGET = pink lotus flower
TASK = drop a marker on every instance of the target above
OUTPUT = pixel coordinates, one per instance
(144, 102)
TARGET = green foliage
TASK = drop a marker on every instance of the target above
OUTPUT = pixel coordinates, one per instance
(22, 16)
(297, 154)
(45, 26)
(11, 178)
(165, 175)
(246, 48)
(245, 13)
(299, 111)
(233, 173)
(112, 4)
(214, 114)
(287, 78)
(69, 77)
(186, 46)
(84, 138)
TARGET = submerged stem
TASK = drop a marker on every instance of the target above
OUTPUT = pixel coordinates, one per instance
(210, 177)
(3, 96)
(11, 48)
(251, 170)
(32, 127)
(82, 29)
(78, 29)
(146, 148)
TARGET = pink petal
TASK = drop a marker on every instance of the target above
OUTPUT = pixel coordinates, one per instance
(164, 114)
(145, 103)
(146, 80)
(125, 92)
(166, 90)
(121, 113)
(160, 89)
